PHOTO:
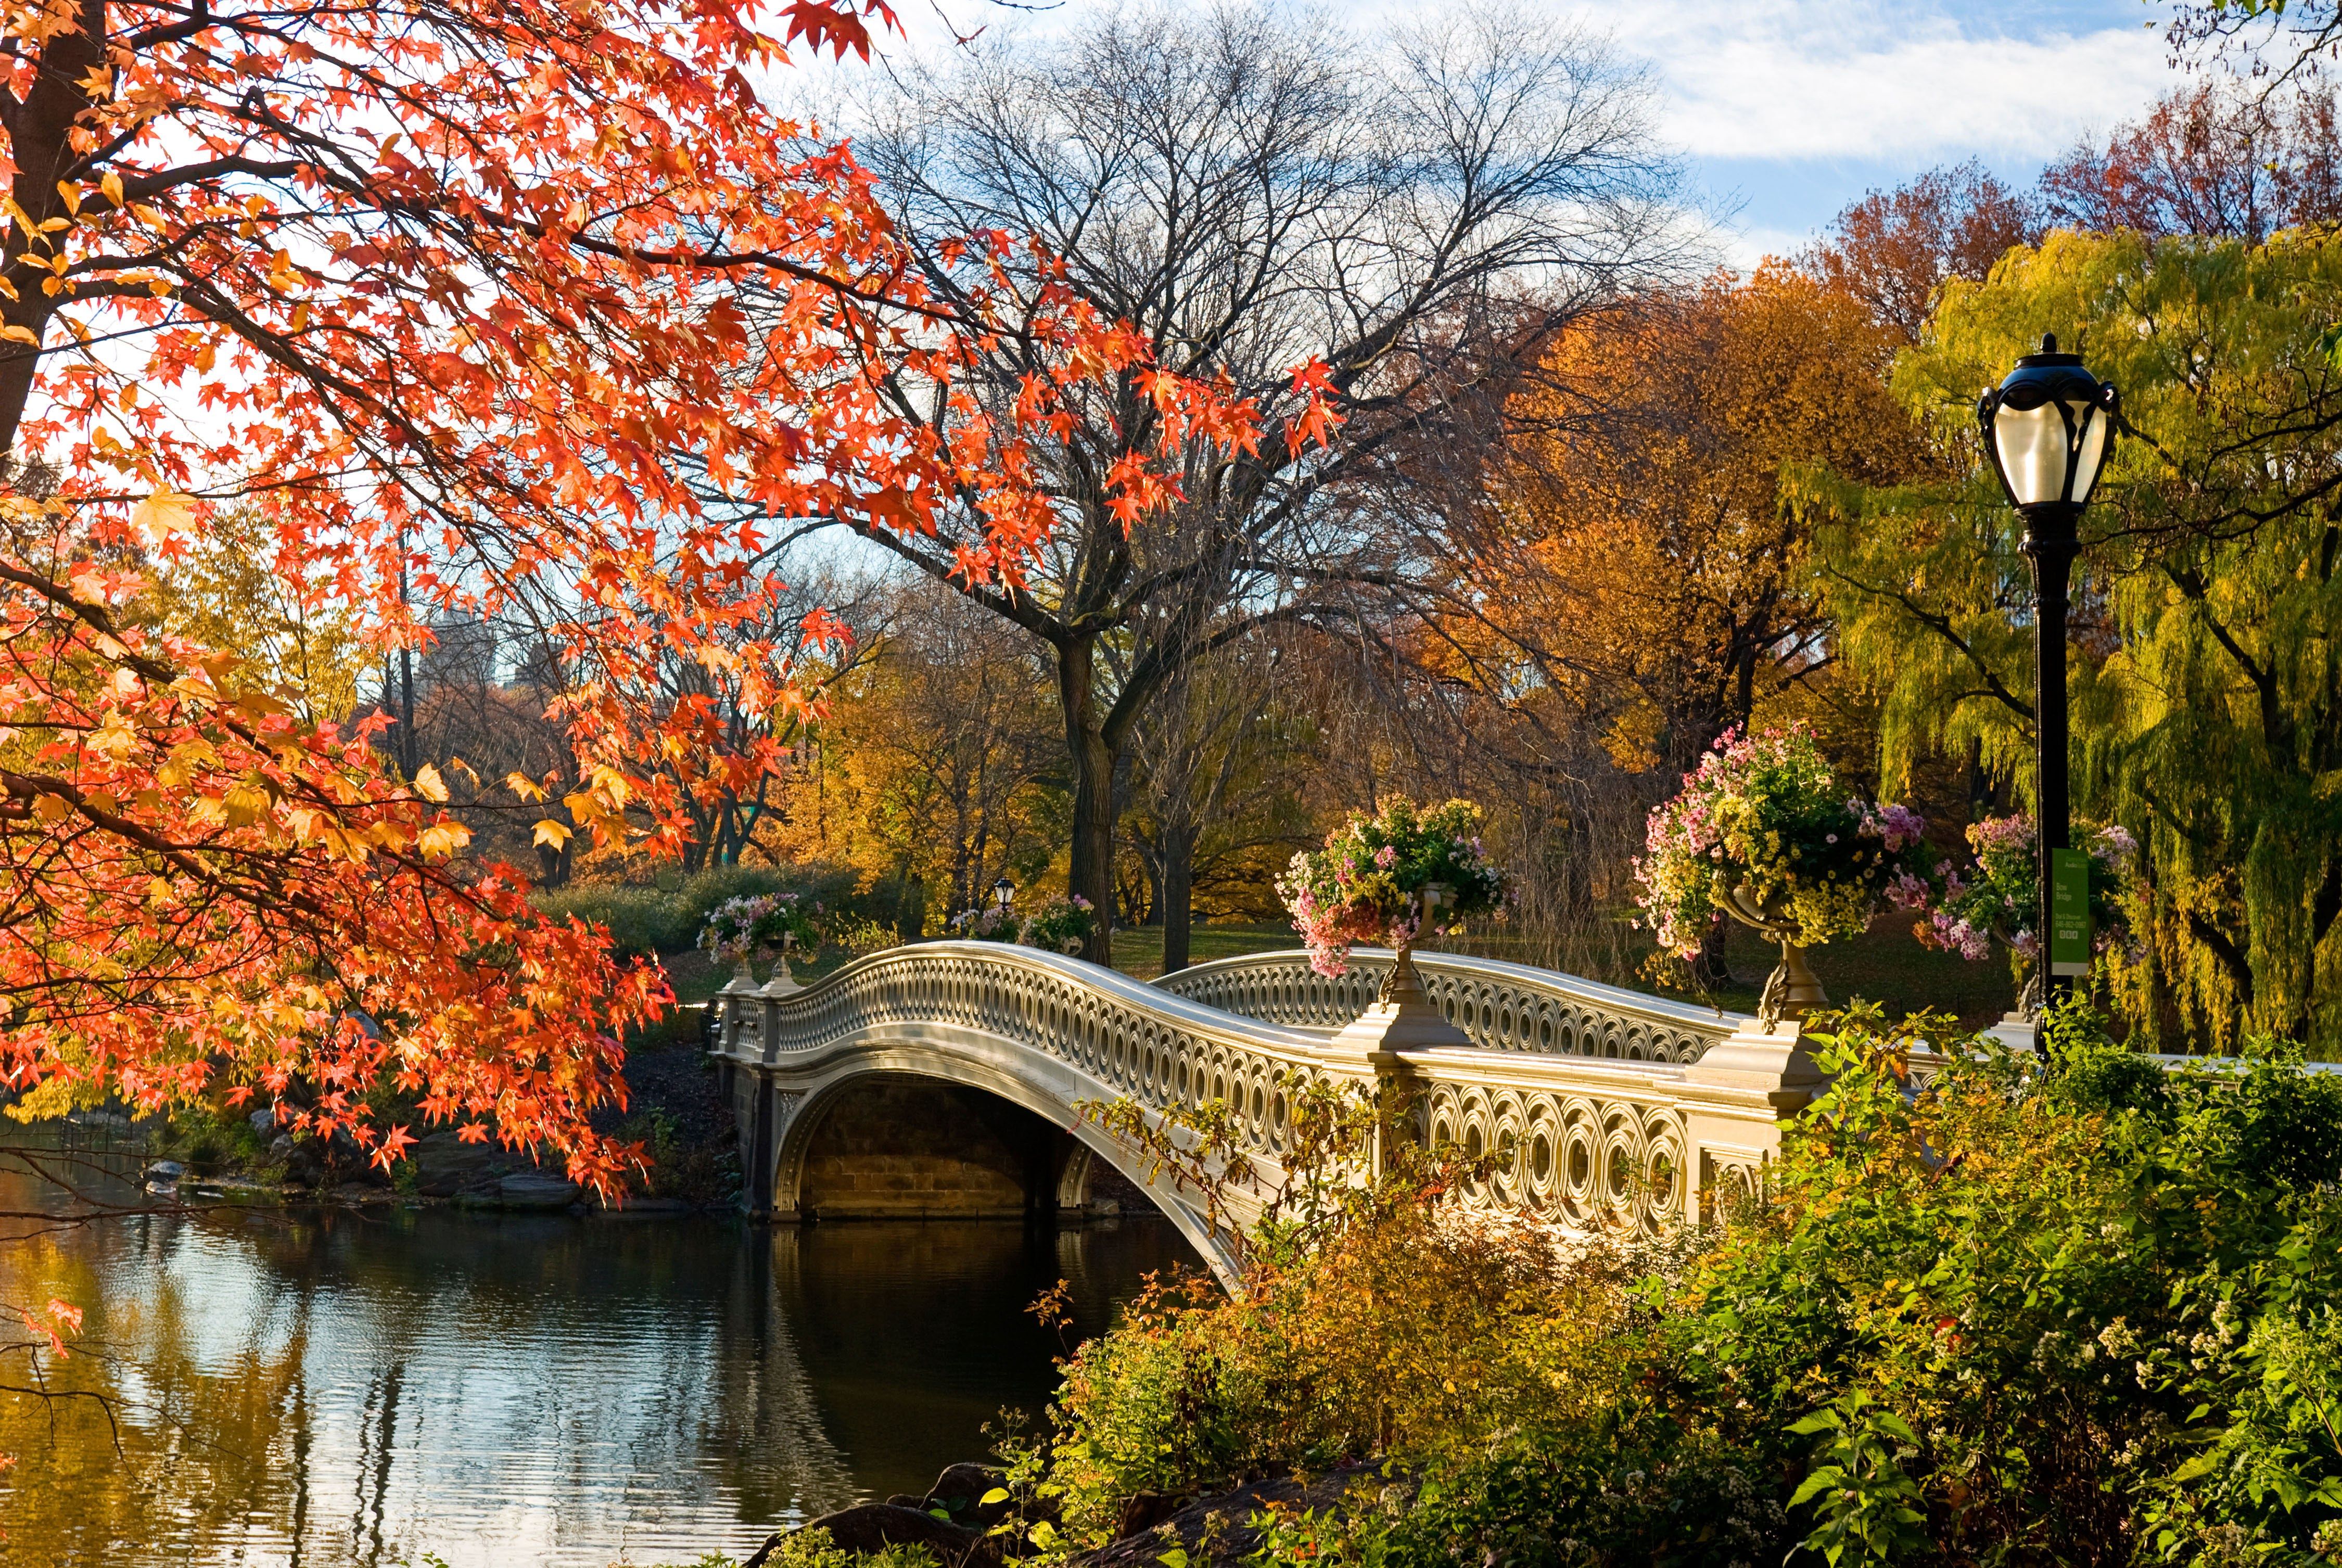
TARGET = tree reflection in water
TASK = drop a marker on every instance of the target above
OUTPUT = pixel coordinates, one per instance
(327, 1387)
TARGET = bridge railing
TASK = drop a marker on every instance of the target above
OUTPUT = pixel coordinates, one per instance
(1620, 1125)
(1500, 1007)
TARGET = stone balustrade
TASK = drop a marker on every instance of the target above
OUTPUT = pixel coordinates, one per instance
(1501, 1006)
(1607, 1109)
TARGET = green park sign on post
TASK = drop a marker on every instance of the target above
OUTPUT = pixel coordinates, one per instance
(2069, 912)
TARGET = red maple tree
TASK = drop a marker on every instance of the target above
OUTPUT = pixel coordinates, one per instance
(454, 295)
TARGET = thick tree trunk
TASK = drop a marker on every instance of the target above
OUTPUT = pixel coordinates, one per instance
(1092, 873)
(40, 144)
(1178, 896)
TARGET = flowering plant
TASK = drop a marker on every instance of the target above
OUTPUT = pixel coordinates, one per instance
(1061, 926)
(1999, 895)
(1762, 828)
(1367, 885)
(990, 924)
(739, 927)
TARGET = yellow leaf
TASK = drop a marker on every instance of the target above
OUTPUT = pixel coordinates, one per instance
(243, 804)
(162, 515)
(111, 183)
(50, 807)
(553, 832)
(521, 784)
(429, 784)
(443, 838)
(21, 335)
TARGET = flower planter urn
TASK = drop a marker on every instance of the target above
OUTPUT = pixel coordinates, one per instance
(1793, 990)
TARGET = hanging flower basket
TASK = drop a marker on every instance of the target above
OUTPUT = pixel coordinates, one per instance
(1995, 899)
(1061, 926)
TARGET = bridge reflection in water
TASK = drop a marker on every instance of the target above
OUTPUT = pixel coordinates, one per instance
(947, 1077)
(336, 1388)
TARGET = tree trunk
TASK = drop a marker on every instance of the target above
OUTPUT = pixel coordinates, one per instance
(1092, 873)
(1178, 896)
(40, 144)
(410, 753)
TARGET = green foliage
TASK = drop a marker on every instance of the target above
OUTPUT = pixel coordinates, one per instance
(1861, 1500)
(2042, 1311)
(653, 920)
(2206, 669)
(814, 1549)
(210, 1139)
(2069, 1308)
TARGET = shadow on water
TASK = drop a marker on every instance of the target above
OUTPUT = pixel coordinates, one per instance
(330, 1387)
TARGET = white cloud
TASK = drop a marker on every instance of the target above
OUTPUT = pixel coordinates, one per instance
(1828, 79)
(1745, 248)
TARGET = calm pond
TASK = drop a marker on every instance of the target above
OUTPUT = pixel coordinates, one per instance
(316, 1386)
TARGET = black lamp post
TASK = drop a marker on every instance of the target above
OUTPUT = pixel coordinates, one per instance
(1003, 892)
(2048, 428)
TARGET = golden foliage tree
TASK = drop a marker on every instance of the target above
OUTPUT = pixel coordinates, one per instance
(935, 768)
(1650, 575)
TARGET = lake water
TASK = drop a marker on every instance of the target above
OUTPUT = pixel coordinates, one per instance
(322, 1387)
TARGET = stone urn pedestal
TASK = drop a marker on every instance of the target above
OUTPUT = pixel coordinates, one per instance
(1403, 1018)
(783, 982)
(1370, 1049)
(1793, 990)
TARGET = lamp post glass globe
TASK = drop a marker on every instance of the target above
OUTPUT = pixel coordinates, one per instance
(2049, 427)
(1003, 892)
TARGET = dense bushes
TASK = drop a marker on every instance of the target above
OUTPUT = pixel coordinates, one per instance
(2071, 1309)
(647, 920)
(2051, 1297)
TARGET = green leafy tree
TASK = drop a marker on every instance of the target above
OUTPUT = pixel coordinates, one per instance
(2206, 679)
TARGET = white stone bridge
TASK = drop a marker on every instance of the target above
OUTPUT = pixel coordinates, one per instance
(947, 1078)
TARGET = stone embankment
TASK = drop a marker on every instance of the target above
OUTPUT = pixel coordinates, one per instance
(686, 1130)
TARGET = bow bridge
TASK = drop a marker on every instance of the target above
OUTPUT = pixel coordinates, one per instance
(948, 1079)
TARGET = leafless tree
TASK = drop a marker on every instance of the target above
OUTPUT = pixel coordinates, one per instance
(1254, 188)
(1213, 779)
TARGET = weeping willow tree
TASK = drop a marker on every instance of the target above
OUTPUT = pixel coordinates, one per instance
(2207, 682)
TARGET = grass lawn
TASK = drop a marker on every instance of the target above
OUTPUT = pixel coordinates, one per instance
(1139, 953)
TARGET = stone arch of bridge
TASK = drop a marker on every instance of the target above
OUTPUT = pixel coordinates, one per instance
(811, 1087)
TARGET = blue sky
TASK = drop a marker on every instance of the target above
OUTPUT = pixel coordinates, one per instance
(1787, 110)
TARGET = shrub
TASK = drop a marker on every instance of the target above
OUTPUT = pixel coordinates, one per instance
(650, 920)
(1375, 1325)
(2065, 1311)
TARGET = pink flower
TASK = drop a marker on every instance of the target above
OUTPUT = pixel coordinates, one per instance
(1386, 857)
(1906, 892)
(1902, 826)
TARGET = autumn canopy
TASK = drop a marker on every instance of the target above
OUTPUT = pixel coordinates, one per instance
(530, 308)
